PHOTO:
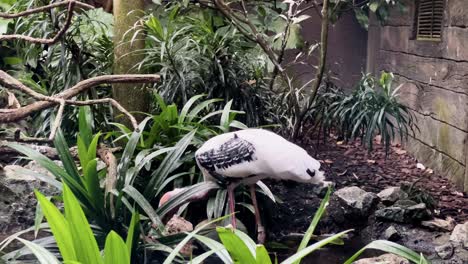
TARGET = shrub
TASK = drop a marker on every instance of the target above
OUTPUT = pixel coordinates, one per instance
(373, 108)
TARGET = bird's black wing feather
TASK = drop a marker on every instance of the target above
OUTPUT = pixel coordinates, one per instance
(232, 152)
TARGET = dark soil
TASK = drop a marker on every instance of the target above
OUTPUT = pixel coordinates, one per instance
(350, 164)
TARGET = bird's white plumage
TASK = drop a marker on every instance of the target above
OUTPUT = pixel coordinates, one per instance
(273, 157)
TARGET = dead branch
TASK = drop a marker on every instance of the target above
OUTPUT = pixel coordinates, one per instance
(71, 5)
(106, 155)
(12, 115)
(45, 8)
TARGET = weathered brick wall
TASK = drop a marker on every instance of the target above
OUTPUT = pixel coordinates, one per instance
(434, 78)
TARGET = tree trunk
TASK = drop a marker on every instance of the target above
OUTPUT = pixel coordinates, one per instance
(133, 97)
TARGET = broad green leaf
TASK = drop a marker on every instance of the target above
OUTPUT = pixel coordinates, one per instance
(262, 256)
(60, 228)
(42, 254)
(237, 248)
(85, 244)
(115, 250)
(85, 122)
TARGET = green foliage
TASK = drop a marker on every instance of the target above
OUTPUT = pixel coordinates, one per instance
(74, 236)
(197, 52)
(373, 108)
(84, 52)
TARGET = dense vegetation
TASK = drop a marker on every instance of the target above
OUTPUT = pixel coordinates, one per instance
(214, 78)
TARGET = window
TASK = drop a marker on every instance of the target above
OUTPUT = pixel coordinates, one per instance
(430, 16)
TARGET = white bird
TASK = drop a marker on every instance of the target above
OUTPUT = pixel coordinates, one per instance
(250, 155)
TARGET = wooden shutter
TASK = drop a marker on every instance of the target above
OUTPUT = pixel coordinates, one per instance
(430, 19)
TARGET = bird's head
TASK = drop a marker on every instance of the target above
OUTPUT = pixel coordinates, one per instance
(315, 176)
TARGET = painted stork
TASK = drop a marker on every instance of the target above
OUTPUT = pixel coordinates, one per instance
(248, 156)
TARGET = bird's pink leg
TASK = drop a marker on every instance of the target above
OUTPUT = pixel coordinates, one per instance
(258, 220)
(231, 199)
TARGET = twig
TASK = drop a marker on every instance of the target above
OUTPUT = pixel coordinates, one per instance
(58, 120)
(106, 155)
(45, 8)
(58, 36)
(12, 115)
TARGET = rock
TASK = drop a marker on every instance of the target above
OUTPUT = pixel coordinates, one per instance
(357, 201)
(178, 225)
(440, 224)
(459, 235)
(404, 211)
(390, 195)
(393, 213)
(11, 173)
(383, 259)
(416, 213)
(444, 251)
(392, 234)
(34, 166)
(405, 203)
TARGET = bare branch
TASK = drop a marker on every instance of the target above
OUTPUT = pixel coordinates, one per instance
(58, 36)
(58, 120)
(45, 8)
(12, 115)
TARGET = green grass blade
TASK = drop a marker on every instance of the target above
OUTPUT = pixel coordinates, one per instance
(168, 165)
(65, 156)
(182, 243)
(133, 231)
(59, 226)
(219, 249)
(318, 215)
(84, 241)
(185, 195)
(187, 106)
(201, 258)
(144, 205)
(306, 251)
(197, 109)
(115, 250)
(389, 247)
(48, 164)
(42, 254)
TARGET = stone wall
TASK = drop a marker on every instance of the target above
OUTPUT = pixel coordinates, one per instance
(434, 79)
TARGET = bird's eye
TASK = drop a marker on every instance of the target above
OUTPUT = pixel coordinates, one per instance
(311, 173)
